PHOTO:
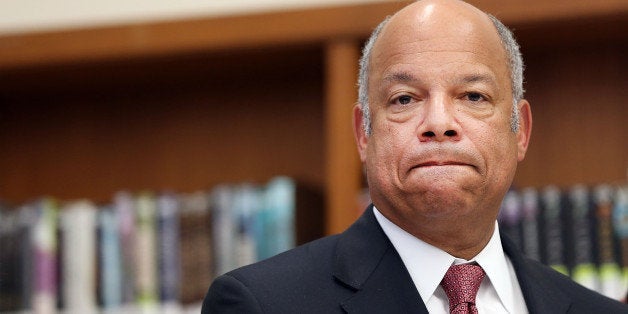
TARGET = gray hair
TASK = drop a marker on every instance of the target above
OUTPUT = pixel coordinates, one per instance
(515, 65)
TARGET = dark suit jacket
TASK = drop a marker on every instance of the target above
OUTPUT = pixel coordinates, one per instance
(359, 271)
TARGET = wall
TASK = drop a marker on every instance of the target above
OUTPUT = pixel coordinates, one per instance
(20, 16)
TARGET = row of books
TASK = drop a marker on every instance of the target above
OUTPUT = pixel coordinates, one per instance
(581, 232)
(144, 251)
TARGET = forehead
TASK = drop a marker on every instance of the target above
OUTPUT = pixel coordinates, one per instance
(432, 36)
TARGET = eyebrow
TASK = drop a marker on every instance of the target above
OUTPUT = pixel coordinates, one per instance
(405, 77)
(477, 78)
(400, 77)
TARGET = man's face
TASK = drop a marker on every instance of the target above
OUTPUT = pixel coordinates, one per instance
(440, 95)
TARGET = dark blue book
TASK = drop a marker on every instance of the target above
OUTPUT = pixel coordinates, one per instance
(552, 230)
(530, 223)
(10, 262)
(584, 270)
(168, 247)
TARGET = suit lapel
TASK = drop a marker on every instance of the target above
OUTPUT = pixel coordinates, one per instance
(367, 263)
(540, 295)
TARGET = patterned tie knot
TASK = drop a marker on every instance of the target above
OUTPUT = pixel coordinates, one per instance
(461, 283)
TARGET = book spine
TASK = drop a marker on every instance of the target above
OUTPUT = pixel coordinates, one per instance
(27, 219)
(45, 258)
(78, 222)
(510, 216)
(145, 244)
(245, 211)
(111, 286)
(280, 200)
(224, 229)
(195, 247)
(9, 261)
(584, 270)
(620, 224)
(553, 229)
(124, 207)
(530, 225)
(168, 241)
(609, 268)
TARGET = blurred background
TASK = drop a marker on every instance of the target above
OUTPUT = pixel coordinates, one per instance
(165, 99)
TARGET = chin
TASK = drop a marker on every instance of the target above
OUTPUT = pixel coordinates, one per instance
(438, 205)
(441, 199)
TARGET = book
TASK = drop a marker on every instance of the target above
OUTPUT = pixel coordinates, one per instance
(609, 268)
(552, 229)
(280, 211)
(584, 270)
(169, 265)
(529, 223)
(10, 261)
(510, 217)
(78, 227)
(44, 250)
(110, 260)
(146, 284)
(27, 217)
(124, 209)
(620, 225)
(224, 229)
(246, 204)
(196, 253)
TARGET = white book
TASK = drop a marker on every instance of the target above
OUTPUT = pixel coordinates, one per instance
(78, 227)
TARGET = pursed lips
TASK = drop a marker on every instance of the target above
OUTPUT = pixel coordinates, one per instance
(441, 163)
(433, 164)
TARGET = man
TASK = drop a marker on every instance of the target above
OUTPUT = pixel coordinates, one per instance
(440, 128)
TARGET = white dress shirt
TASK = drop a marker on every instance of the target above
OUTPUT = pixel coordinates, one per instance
(499, 291)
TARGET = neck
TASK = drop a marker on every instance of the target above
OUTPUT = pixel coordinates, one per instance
(459, 240)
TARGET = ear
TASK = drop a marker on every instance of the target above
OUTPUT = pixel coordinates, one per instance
(358, 131)
(525, 128)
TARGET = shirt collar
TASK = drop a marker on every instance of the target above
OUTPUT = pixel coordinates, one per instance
(495, 265)
(434, 262)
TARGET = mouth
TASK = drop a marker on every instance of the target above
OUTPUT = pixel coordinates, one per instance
(441, 163)
(444, 165)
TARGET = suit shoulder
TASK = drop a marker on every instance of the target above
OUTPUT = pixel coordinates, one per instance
(308, 260)
(290, 282)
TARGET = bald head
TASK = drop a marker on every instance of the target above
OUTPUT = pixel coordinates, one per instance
(447, 17)
(459, 25)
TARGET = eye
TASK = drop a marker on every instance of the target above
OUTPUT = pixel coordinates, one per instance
(472, 96)
(404, 100)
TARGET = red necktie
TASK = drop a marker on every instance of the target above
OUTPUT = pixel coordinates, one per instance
(461, 283)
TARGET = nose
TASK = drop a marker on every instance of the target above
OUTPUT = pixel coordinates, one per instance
(439, 123)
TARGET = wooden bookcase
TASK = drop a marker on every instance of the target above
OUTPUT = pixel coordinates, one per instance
(185, 105)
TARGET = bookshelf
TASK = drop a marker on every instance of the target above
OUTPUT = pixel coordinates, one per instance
(185, 105)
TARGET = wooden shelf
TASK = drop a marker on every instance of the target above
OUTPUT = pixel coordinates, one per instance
(188, 104)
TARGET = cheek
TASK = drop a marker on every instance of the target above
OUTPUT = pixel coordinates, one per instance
(384, 154)
(500, 155)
